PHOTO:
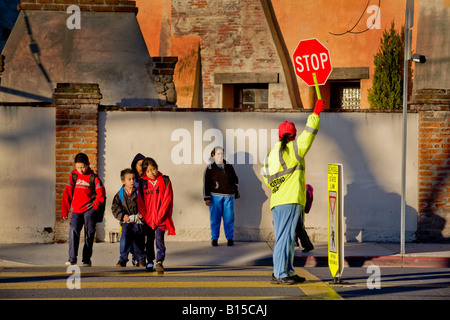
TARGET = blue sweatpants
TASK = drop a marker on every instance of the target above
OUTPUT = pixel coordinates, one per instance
(285, 219)
(222, 206)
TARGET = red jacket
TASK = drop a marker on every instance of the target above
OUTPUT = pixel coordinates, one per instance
(79, 197)
(157, 204)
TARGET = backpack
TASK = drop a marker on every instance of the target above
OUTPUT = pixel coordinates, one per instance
(100, 212)
(121, 191)
(309, 197)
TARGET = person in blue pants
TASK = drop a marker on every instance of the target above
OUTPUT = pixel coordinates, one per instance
(284, 174)
(222, 207)
(285, 219)
(220, 189)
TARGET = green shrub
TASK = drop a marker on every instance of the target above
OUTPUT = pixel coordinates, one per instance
(387, 85)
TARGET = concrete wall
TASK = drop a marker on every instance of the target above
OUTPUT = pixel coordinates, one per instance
(433, 28)
(367, 144)
(27, 174)
(99, 52)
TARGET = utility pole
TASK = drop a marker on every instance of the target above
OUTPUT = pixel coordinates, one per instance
(409, 22)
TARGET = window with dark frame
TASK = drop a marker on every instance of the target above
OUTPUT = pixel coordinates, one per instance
(345, 95)
(251, 96)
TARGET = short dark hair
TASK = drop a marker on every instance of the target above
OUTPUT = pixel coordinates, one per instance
(149, 162)
(124, 172)
(213, 151)
(82, 158)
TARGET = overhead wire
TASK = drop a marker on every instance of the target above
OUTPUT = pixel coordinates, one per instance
(359, 32)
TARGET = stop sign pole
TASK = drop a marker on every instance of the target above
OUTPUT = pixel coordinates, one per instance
(312, 63)
(319, 96)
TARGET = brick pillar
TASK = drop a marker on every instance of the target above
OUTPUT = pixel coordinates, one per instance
(162, 75)
(76, 131)
(433, 106)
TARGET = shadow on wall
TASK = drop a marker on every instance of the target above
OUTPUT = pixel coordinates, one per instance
(378, 207)
(187, 179)
(371, 213)
(36, 54)
(372, 210)
(248, 213)
(101, 168)
(27, 172)
(431, 224)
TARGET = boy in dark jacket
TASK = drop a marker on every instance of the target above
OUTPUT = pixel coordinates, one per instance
(124, 208)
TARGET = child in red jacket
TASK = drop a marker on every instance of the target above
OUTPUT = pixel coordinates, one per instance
(155, 203)
(84, 193)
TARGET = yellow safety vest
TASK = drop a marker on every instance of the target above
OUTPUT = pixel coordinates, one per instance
(284, 172)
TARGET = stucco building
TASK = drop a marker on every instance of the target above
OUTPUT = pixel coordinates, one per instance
(66, 89)
(231, 52)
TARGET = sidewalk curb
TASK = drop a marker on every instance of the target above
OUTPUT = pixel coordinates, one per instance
(381, 261)
(242, 254)
(9, 263)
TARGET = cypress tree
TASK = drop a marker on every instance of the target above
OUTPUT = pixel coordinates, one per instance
(387, 85)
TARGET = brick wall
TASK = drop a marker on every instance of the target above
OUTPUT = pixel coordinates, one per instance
(433, 106)
(85, 5)
(76, 131)
(236, 41)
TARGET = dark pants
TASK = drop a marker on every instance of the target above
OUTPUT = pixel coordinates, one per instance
(76, 224)
(301, 234)
(132, 238)
(155, 237)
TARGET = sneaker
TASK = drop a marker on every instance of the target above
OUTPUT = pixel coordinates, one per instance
(87, 264)
(71, 262)
(308, 249)
(121, 264)
(159, 268)
(149, 267)
(214, 243)
(230, 243)
(298, 279)
(285, 281)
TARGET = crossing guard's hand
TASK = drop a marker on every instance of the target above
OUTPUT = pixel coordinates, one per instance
(319, 107)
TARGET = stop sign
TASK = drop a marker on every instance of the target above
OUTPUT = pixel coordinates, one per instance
(311, 56)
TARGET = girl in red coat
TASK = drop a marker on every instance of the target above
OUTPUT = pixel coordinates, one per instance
(155, 203)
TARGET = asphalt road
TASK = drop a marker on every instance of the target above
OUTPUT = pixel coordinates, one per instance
(218, 283)
(389, 283)
(233, 291)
